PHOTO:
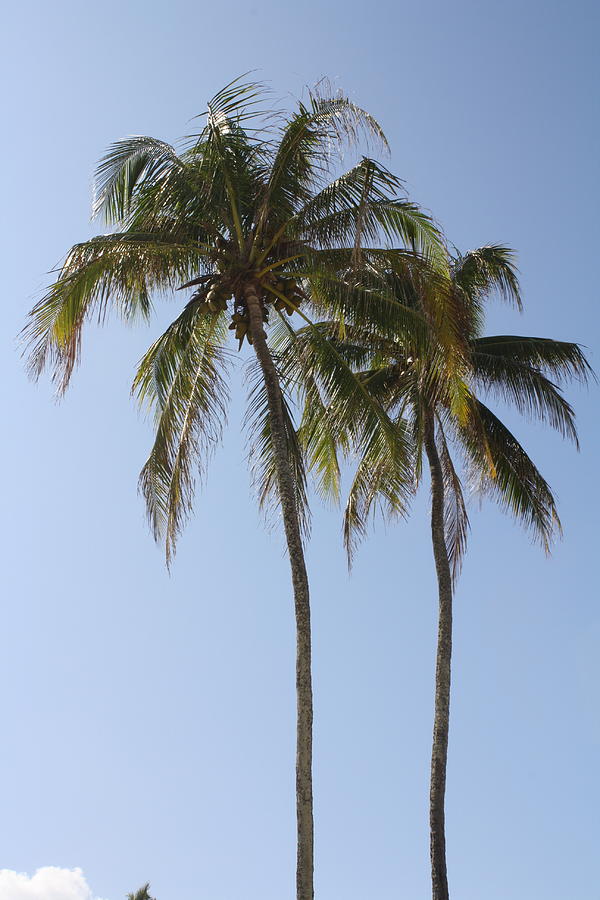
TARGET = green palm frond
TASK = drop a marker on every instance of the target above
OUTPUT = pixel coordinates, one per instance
(518, 486)
(239, 101)
(363, 206)
(304, 154)
(525, 386)
(117, 270)
(128, 164)
(346, 192)
(561, 360)
(353, 417)
(342, 389)
(379, 482)
(488, 269)
(363, 301)
(181, 379)
(317, 434)
(400, 298)
(226, 157)
(262, 453)
(370, 222)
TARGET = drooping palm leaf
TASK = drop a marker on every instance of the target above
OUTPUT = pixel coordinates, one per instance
(379, 482)
(118, 270)
(456, 519)
(128, 164)
(559, 359)
(525, 386)
(518, 486)
(181, 379)
(262, 451)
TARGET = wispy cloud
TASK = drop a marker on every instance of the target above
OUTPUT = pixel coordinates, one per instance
(49, 883)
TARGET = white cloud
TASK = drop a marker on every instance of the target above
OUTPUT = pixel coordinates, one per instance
(49, 883)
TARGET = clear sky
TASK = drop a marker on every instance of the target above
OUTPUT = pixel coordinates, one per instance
(148, 721)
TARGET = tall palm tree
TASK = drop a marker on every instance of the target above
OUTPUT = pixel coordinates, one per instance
(431, 393)
(248, 218)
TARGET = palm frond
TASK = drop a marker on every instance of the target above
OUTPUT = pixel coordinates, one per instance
(262, 455)
(317, 433)
(230, 159)
(518, 486)
(525, 386)
(238, 101)
(363, 204)
(456, 519)
(224, 165)
(363, 300)
(356, 419)
(346, 191)
(309, 139)
(181, 378)
(119, 270)
(562, 360)
(487, 269)
(128, 164)
(379, 483)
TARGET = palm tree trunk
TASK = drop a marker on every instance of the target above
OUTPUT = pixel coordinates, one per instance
(304, 795)
(439, 754)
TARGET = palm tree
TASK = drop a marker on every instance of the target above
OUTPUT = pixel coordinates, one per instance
(142, 894)
(431, 396)
(245, 216)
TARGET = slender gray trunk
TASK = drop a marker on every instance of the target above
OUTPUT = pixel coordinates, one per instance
(304, 795)
(439, 753)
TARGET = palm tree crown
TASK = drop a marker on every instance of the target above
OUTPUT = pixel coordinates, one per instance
(411, 380)
(248, 203)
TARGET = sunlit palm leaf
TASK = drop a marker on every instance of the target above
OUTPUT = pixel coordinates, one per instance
(128, 164)
(378, 482)
(317, 434)
(181, 379)
(118, 270)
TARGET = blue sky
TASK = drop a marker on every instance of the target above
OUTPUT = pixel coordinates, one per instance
(148, 719)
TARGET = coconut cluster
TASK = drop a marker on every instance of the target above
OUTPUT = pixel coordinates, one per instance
(214, 297)
(288, 295)
(284, 294)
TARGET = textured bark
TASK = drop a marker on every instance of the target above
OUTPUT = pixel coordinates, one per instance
(304, 795)
(439, 753)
